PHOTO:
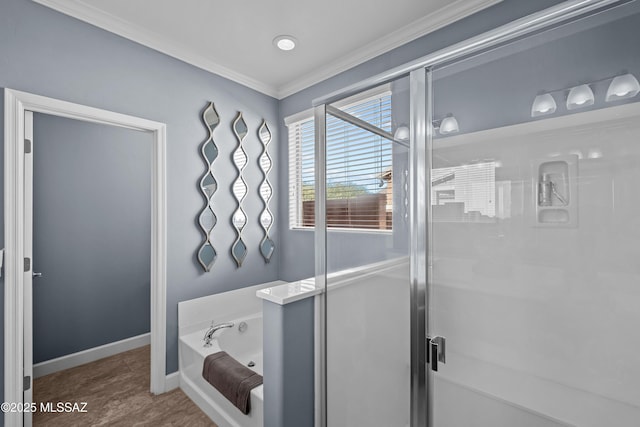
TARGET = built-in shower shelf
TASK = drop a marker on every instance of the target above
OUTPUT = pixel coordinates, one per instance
(553, 216)
(555, 191)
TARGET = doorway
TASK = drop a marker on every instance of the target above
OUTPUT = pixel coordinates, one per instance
(19, 109)
(91, 287)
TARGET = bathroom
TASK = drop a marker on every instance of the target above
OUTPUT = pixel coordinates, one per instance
(518, 253)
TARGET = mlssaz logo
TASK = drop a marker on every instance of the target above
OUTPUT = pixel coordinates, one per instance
(63, 407)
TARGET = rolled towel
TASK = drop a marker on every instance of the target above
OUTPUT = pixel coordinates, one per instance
(231, 378)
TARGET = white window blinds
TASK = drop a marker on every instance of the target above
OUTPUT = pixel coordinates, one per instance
(464, 193)
(359, 170)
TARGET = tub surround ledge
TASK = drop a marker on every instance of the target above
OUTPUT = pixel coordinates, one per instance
(290, 292)
(287, 293)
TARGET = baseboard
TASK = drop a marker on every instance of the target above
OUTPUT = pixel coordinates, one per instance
(172, 381)
(90, 355)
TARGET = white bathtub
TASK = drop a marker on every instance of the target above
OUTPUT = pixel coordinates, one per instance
(245, 347)
(194, 319)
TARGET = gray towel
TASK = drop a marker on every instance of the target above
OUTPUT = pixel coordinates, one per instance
(231, 378)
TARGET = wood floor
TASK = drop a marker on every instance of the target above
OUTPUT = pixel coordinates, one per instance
(116, 390)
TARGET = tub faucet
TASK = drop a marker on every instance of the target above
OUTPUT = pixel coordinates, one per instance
(208, 337)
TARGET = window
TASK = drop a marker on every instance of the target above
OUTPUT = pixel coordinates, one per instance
(359, 169)
(467, 193)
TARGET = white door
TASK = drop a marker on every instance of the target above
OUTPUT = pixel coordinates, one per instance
(28, 273)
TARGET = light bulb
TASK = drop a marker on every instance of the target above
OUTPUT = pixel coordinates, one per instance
(623, 87)
(449, 125)
(542, 105)
(401, 133)
(580, 97)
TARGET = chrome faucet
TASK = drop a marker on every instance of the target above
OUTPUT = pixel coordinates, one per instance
(208, 337)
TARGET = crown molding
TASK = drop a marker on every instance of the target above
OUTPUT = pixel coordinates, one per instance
(457, 10)
(453, 12)
(109, 22)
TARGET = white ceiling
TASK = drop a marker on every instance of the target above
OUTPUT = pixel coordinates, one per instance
(233, 38)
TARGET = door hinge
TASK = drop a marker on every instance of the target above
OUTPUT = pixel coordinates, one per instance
(27, 382)
(27, 146)
(27, 264)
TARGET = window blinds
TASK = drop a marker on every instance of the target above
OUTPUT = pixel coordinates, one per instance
(464, 193)
(359, 170)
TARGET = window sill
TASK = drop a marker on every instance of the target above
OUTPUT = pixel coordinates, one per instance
(346, 230)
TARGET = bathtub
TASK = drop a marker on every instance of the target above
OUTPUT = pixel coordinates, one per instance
(245, 347)
(194, 319)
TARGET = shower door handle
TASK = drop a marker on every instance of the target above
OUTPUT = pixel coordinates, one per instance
(436, 351)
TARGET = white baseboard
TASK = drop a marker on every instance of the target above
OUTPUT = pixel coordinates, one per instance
(172, 381)
(90, 355)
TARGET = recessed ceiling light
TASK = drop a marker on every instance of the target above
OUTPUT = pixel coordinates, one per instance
(285, 42)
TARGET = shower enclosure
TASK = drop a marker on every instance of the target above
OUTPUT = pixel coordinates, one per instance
(481, 208)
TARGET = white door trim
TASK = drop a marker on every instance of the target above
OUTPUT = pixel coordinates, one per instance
(27, 277)
(15, 104)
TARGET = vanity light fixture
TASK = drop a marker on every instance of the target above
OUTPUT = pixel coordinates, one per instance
(580, 97)
(285, 42)
(543, 104)
(448, 125)
(622, 87)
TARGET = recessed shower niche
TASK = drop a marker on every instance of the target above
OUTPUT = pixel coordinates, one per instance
(555, 191)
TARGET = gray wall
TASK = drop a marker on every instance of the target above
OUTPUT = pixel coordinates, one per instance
(297, 263)
(44, 52)
(92, 227)
(288, 364)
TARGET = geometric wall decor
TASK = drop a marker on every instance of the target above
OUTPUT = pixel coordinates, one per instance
(266, 217)
(239, 191)
(208, 185)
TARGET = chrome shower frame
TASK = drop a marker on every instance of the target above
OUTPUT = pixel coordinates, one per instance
(421, 133)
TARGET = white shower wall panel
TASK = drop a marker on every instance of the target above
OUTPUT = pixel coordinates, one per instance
(368, 354)
(555, 308)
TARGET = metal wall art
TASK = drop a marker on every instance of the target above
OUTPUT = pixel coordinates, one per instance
(239, 190)
(266, 217)
(207, 254)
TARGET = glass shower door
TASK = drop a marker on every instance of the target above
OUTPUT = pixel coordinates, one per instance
(367, 258)
(534, 231)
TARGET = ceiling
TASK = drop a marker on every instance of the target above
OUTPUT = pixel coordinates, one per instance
(234, 38)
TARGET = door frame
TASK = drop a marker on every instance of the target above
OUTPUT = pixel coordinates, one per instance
(15, 105)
